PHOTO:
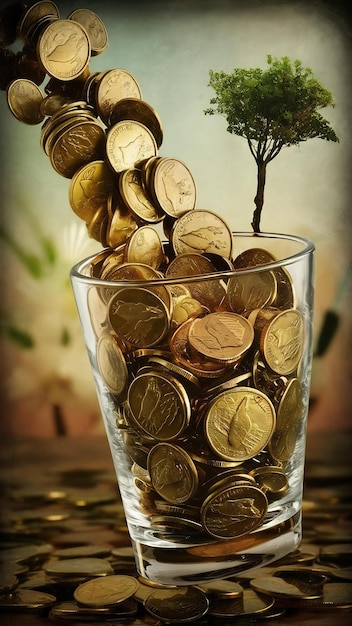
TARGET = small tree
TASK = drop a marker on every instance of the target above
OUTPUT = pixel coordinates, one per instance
(271, 108)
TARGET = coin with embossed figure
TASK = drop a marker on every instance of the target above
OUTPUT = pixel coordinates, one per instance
(80, 143)
(94, 27)
(201, 231)
(173, 187)
(239, 423)
(111, 87)
(140, 111)
(136, 199)
(127, 143)
(173, 473)
(209, 293)
(139, 316)
(222, 337)
(112, 364)
(106, 591)
(24, 99)
(176, 606)
(181, 350)
(288, 422)
(89, 188)
(251, 291)
(144, 246)
(159, 405)
(285, 296)
(281, 341)
(233, 511)
(63, 49)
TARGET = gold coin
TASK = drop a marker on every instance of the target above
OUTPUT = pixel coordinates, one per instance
(71, 610)
(186, 308)
(34, 31)
(127, 143)
(57, 125)
(173, 187)
(89, 189)
(139, 111)
(225, 383)
(288, 422)
(336, 595)
(82, 142)
(159, 405)
(112, 365)
(107, 591)
(281, 341)
(210, 293)
(27, 600)
(144, 246)
(111, 87)
(24, 99)
(26, 553)
(84, 566)
(176, 526)
(233, 511)
(135, 272)
(94, 27)
(173, 473)
(33, 13)
(52, 104)
(285, 297)
(120, 226)
(61, 120)
(181, 350)
(139, 316)
(135, 197)
(221, 337)
(223, 589)
(239, 423)
(264, 378)
(252, 604)
(63, 49)
(183, 604)
(251, 291)
(180, 372)
(201, 231)
(270, 479)
(277, 587)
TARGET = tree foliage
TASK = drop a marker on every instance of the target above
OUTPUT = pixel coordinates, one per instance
(271, 108)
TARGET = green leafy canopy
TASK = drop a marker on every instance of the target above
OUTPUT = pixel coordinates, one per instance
(277, 105)
(271, 108)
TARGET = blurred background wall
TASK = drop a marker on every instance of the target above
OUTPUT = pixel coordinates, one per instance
(169, 47)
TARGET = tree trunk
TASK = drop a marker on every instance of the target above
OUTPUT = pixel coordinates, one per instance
(259, 198)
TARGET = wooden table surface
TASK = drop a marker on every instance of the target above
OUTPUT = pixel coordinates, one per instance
(86, 463)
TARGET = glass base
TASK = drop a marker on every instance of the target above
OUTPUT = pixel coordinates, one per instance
(221, 559)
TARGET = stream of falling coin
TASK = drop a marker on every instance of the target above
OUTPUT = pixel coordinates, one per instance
(209, 357)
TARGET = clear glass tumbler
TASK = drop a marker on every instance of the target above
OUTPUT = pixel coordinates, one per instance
(203, 383)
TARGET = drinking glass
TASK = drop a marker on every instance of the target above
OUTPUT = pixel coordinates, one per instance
(203, 383)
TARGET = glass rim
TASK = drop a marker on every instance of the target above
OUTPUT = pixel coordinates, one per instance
(307, 249)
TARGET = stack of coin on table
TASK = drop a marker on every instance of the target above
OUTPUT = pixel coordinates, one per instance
(66, 554)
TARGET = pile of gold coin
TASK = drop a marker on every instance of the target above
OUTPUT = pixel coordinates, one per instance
(207, 396)
(66, 556)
